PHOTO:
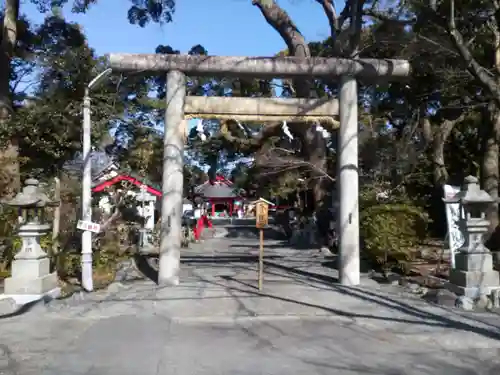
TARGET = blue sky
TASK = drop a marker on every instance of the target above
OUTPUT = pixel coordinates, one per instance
(223, 27)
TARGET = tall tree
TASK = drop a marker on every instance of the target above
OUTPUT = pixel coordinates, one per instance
(140, 12)
(468, 33)
(9, 36)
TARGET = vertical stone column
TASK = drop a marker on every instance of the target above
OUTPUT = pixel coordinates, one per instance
(348, 185)
(172, 181)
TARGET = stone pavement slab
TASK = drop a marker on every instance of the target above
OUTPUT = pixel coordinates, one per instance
(152, 345)
(216, 327)
(320, 347)
(216, 322)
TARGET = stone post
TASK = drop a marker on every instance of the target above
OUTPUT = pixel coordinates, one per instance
(146, 210)
(473, 275)
(348, 185)
(172, 181)
(31, 279)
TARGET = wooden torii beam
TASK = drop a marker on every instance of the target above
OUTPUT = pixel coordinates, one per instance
(177, 67)
(262, 109)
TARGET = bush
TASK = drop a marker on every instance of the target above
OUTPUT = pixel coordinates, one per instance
(390, 230)
(109, 247)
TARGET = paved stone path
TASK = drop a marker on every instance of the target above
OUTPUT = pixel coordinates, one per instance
(216, 322)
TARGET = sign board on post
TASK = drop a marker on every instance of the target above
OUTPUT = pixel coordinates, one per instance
(261, 214)
(261, 221)
(88, 225)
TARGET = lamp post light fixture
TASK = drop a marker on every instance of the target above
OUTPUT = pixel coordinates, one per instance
(87, 281)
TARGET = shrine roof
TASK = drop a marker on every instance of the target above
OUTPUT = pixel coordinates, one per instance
(128, 176)
(218, 188)
(144, 180)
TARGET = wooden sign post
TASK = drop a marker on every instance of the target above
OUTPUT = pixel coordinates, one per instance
(262, 219)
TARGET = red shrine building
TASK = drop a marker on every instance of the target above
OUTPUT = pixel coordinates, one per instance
(220, 194)
(137, 181)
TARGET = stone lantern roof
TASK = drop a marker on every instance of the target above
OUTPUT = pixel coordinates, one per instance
(470, 193)
(32, 195)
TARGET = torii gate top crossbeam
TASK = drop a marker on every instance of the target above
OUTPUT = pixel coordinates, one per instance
(262, 67)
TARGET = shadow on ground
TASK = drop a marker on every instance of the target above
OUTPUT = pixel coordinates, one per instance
(22, 310)
(251, 232)
(413, 314)
(427, 318)
(435, 361)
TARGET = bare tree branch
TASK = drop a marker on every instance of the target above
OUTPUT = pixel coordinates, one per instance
(335, 21)
(119, 199)
(355, 26)
(267, 132)
(110, 220)
(280, 21)
(473, 66)
(436, 137)
(387, 18)
(493, 26)
(331, 14)
(279, 160)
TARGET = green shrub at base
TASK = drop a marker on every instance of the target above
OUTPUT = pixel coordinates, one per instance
(390, 232)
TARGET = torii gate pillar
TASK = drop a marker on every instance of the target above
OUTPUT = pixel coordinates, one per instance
(172, 180)
(348, 183)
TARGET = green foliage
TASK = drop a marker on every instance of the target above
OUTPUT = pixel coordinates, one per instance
(193, 176)
(47, 122)
(144, 11)
(390, 230)
(8, 220)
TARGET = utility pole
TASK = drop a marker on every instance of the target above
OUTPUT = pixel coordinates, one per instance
(87, 280)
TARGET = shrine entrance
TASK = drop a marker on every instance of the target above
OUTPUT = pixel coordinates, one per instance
(179, 107)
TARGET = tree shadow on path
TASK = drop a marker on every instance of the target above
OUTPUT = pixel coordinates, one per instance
(386, 301)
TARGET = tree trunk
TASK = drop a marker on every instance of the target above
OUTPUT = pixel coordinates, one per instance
(316, 155)
(489, 165)
(57, 216)
(9, 155)
(314, 146)
(436, 139)
(440, 138)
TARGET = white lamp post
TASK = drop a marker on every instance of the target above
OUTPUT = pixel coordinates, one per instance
(87, 281)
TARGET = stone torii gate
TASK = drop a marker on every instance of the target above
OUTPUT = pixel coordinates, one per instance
(177, 67)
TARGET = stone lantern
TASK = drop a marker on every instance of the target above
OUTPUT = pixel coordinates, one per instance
(31, 278)
(473, 275)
